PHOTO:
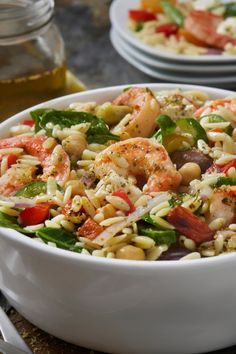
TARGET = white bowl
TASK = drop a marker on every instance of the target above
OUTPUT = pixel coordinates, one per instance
(119, 16)
(114, 305)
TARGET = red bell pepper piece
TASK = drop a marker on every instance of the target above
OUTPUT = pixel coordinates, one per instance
(168, 29)
(11, 160)
(141, 15)
(217, 168)
(28, 122)
(123, 195)
(216, 130)
(226, 168)
(34, 215)
(190, 225)
(67, 209)
(90, 229)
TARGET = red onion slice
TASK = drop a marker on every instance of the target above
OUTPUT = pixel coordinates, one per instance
(18, 202)
(112, 230)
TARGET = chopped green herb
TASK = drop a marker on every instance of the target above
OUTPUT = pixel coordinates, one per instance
(226, 181)
(176, 200)
(139, 27)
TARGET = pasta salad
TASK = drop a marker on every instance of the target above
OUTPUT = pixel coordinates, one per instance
(186, 27)
(148, 176)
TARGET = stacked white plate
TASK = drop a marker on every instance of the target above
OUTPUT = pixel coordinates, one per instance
(210, 70)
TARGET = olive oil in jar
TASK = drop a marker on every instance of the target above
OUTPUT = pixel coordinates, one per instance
(32, 59)
(20, 93)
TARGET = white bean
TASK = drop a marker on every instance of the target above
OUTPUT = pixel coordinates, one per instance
(190, 171)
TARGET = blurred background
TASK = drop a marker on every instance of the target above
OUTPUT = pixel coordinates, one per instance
(85, 26)
(32, 58)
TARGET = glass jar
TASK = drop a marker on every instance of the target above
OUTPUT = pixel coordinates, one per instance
(32, 59)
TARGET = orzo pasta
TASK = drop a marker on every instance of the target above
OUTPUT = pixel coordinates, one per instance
(158, 185)
(186, 27)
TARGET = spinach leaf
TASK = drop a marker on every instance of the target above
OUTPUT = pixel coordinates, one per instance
(37, 117)
(97, 133)
(11, 223)
(32, 189)
(230, 9)
(62, 238)
(167, 126)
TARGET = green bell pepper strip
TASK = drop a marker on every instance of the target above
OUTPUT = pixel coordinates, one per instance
(192, 126)
(148, 219)
(226, 181)
(166, 237)
(186, 125)
(173, 13)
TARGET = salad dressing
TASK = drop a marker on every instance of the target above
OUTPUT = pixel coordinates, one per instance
(32, 58)
(19, 93)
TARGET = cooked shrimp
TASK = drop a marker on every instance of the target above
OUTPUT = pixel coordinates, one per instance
(225, 106)
(15, 178)
(149, 162)
(54, 161)
(223, 205)
(203, 25)
(141, 122)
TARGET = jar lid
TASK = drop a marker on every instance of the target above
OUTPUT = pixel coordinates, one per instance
(23, 16)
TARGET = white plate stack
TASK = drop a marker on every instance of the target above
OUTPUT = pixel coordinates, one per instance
(210, 70)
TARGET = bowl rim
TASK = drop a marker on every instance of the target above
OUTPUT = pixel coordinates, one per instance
(24, 240)
(165, 74)
(179, 67)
